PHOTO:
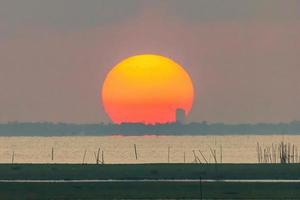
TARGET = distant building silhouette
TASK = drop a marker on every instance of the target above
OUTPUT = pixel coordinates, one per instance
(180, 116)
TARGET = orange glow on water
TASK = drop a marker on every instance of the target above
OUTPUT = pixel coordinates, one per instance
(148, 89)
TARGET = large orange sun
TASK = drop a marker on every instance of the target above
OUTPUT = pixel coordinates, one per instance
(147, 89)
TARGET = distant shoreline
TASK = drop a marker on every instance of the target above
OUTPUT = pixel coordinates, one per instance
(137, 129)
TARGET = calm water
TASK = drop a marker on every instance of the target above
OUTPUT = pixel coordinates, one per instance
(150, 149)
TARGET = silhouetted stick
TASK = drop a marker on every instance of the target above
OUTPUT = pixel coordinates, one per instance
(274, 153)
(95, 156)
(261, 154)
(84, 157)
(289, 153)
(102, 157)
(270, 155)
(296, 155)
(213, 153)
(168, 154)
(221, 152)
(13, 157)
(203, 156)
(98, 155)
(258, 152)
(135, 151)
(196, 157)
(293, 156)
(277, 153)
(52, 154)
(183, 157)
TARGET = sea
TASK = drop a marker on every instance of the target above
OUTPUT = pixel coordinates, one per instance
(140, 149)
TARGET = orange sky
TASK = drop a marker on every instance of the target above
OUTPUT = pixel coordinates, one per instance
(243, 56)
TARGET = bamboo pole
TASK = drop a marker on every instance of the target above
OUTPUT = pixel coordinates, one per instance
(135, 152)
(196, 157)
(168, 154)
(270, 155)
(203, 156)
(274, 152)
(289, 153)
(52, 154)
(297, 158)
(13, 157)
(261, 154)
(279, 154)
(293, 157)
(97, 158)
(83, 159)
(221, 154)
(213, 153)
(258, 152)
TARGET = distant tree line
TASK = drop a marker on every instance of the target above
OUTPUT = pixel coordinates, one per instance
(203, 128)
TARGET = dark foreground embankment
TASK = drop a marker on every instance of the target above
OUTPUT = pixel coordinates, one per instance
(149, 171)
(149, 190)
(216, 190)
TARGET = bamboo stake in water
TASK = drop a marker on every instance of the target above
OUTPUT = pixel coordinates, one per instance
(84, 157)
(213, 153)
(13, 157)
(135, 151)
(203, 156)
(258, 152)
(102, 157)
(183, 157)
(98, 154)
(294, 153)
(289, 152)
(261, 154)
(274, 153)
(270, 155)
(52, 154)
(196, 157)
(168, 154)
(95, 156)
(221, 154)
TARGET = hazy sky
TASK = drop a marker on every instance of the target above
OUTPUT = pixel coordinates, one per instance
(243, 56)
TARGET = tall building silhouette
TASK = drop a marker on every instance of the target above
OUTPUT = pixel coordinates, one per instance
(180, 116)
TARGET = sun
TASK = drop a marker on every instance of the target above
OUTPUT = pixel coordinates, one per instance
(148, 89)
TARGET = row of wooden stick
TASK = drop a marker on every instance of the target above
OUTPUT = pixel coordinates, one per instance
(213, 154)
(278, 153)
(99, 156)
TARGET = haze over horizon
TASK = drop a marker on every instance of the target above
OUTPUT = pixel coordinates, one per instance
(243, 56)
